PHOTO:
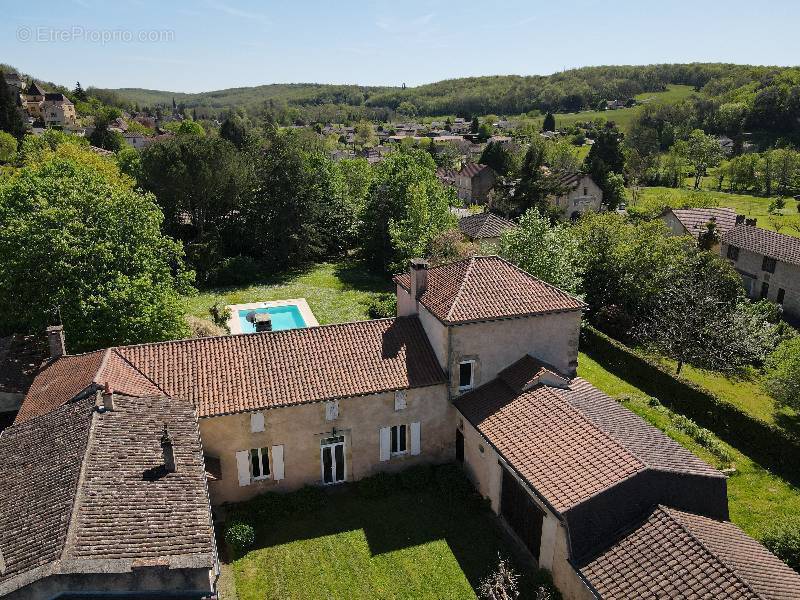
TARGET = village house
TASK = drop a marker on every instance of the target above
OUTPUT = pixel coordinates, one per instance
(58, 111)
(484, 227)
(32, 99)
(479, 366)
(769, 263)
(581, 195)
(474, 183)
(696, 221)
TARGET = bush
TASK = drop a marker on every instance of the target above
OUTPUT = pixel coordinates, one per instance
(270, 505)
(240, 536)
(199, 328)
(417, 478)
(382, 306)
(307, 499)
(220, 314)
(379, 485)
(542, 582)
(784, 542)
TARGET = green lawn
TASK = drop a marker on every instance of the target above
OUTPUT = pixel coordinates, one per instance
(751, 206)
(757, 497)
(407, 545)
(624, 116)
(336, 293)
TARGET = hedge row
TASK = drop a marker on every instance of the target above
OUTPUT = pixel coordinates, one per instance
(770, 446)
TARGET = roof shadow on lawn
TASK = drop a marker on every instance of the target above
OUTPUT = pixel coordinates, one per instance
(400, 521)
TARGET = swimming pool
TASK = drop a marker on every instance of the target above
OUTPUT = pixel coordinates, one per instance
(283, 317)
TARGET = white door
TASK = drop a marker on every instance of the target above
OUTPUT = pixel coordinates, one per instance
(332, 460)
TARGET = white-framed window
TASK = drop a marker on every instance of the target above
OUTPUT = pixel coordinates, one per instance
(259, 463)
(466, 375)
(399, 440)
(400, 400)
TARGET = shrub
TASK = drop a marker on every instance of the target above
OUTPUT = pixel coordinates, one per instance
(307, 499)
(416, 478)
(452, 482)
(199, 328)
(270, 505)
(379, 485)
(382, 306)
(220, 315)
(784, 542)
(240, 536)
(542, 581)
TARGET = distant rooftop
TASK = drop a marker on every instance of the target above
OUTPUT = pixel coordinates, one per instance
(785, 248)
(695, 219)
(484, 225)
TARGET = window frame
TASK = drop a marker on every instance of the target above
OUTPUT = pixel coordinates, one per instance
(397, 434)
(768, 264)
(260, 453)
(780, 297)
(764, 294)
(471, 385)
(733, 253)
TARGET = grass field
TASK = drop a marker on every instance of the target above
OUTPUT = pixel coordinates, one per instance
(757, 498)
(336, 293)
(407, 545)
(751, 206)
(623, 117)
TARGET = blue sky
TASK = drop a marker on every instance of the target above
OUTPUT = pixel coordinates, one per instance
(215, 44)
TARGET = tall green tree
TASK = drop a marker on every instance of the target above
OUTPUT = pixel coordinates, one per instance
(102, 136)
(497, 156)
(549, 123)
(537, 183)
(703, 152)
(606, 156)
(10, 117)
(76, 235)
(782, 378)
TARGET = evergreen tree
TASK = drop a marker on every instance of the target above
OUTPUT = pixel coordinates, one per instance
(604, 158)
(549, 122)
(498, 157)
(10, 118)
(537, 183)
(475, 126)
(79, 93)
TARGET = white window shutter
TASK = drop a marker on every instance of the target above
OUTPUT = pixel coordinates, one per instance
(400, 400)
(277, 462)
(415, 446)
(385, 443)
(257, 422)
(243, 467)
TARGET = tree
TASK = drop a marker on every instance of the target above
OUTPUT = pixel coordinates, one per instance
(405, 195)
(702, 151)
(10, 117)
(8, 147)
(497, 156)
(475, 125)
(102, 136)
(549, 123)
(74, 234)
(543, 250)
(235, 130)
(79, 93)
(364, 135)
(606, 156)
(537, 183)
(782, 373)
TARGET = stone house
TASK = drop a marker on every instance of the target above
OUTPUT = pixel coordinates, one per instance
(474, 183)
(479, 366)
(582, 195)
(769, 263)
(32, 100)
(58, 111)
(694, 221)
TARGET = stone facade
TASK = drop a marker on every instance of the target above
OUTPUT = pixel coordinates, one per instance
(583, 196)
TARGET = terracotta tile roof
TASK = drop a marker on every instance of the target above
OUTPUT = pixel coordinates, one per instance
(528, 372)
(80, 485)
(483, 288)
(484, 225)
(40, 464)
(472, 169)
(673, 554)
(570, 180)
(782, 247)
(254, 371)
(129, 506)
(66, 377)
(695, 219)
(560, 452)
(20, 357)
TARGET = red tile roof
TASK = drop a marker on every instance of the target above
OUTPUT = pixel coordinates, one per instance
(472, 169)
(782, 247)
(484, 288)
(484, 225)
(674, 554)
(695, 219)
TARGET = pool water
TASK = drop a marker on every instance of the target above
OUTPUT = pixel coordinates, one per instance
(283, 317)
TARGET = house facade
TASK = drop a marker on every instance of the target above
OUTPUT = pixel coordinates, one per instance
(769, 263)
(582, 195)
(58, 111)
(479, 366)
(474, 183)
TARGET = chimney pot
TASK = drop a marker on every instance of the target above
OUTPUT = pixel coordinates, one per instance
(108, 397)
(739, 219)
(55, 336)
(168, 451)
(750, 222)
(419, 276)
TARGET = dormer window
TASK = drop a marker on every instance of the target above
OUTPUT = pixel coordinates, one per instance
(466, 375)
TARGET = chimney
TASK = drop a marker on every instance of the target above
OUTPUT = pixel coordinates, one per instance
(419, 277)
(750, 222)
(740, 219)
(55, 336)
(108, 398)
(167, 450)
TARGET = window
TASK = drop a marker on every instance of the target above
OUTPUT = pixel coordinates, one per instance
(733, 253)
(259, 463)
(400, 400)
(781, 294)
(332, 410)
(768, 264)
(764, 290)
(465, 374)
(585, 191)
(398, 433)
